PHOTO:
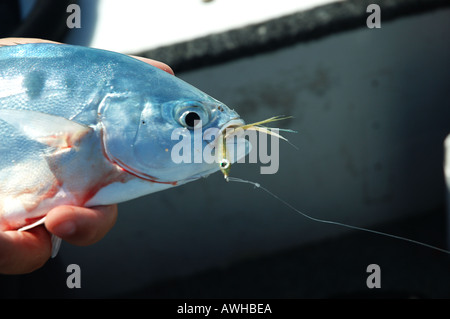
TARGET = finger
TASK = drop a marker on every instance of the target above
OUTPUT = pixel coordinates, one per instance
(80, 225)
(158, 64)
(24, 252)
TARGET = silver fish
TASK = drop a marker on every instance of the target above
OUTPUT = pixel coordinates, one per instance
(86, 127)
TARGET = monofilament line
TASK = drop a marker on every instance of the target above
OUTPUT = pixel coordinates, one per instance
(257, 185)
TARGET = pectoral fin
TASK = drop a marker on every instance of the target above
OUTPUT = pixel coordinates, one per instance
(56, 244)
(39, 222)
(55, 131)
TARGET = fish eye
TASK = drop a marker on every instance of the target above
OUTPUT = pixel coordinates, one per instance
(191, 113)
(190, 118)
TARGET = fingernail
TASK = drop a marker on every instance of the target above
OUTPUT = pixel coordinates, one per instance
(65, 229)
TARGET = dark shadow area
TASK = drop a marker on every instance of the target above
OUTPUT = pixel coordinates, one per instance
(46, 20)
(332, 268)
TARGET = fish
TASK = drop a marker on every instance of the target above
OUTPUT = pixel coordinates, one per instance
(87, 127)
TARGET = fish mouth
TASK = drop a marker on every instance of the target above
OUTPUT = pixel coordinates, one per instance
(226, 130)
(228, 138)
(230, 125)
(223, 133)
(234, 122)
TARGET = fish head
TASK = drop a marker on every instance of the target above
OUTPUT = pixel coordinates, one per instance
(168, 131)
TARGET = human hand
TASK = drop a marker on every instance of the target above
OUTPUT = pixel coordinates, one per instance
(25, 251)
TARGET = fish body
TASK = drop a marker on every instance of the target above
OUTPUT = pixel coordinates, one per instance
(86, 127)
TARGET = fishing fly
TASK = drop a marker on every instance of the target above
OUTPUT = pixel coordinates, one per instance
(224, 160)
(225, 167)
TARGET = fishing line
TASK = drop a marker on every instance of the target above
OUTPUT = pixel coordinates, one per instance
(324, 221)
(225, 164)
